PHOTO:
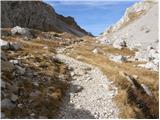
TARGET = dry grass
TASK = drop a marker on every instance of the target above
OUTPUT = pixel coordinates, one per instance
(35, 56)
(112, 69)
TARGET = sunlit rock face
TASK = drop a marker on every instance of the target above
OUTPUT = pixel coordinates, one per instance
(130, 14)
(138, 27)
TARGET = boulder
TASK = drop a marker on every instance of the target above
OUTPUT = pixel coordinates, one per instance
(43, 117)
(34, 94)
(79, 57)
(119, 44)
(147, 55)
(15, 46)
(14, 97)
(6, 66)
(20, 70)
(4, 44)
(7, 103)
(146, 89)
(135, 46)
(3, 84)
(21, 31)
(150, 65)
(103, 40)
(118, 58)
(14, 61)
(3, 56)
(2, 115)
(78, 89)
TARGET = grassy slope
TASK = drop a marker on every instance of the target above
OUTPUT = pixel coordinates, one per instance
(36, 56)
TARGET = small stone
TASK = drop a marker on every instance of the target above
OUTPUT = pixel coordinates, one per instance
(3, 56)
(78, 89)
(35, 94)
(32, 114)
(45, 47)
(135, 76)
(14, 97)
(119, 44)
(147, 90)
(7, 66)
(7, 103)
(2, 115)
(20, 70)
(79, 57)
(72, 74)
(95, 51)
(14, 61)
(20, 105)
(36, 84)
(43, 117)
(150, 66)
(3, 84)
(118, 58)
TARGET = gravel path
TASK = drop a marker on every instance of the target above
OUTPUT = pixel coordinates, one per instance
(88, 95)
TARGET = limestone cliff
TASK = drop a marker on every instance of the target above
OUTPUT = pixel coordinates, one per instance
(138, 27)
(37, 15)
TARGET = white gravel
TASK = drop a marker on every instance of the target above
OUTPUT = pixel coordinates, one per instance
(88, 95)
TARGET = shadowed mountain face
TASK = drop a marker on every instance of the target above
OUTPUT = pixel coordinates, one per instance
(37, 15)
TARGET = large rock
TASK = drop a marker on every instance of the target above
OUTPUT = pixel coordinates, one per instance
(14, 97)
(15, 46)
(20, 70)
(3, 56)
(9, 45)
(120, 44)
(6, 66)
(3, 84)
(150, 66)
(22, 31)
(118, 58)
(37, 15)
(4, 44)
(147, 55)
(7, 103)
(2, 115)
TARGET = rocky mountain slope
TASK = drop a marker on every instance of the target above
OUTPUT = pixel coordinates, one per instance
(37, 15)
(60, 75)
(138, 27)
(138, 31)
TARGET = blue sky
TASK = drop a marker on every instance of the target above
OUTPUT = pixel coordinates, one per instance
(94, 16)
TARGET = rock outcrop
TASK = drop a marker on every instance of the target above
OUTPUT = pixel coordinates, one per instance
(130, 15)
(138, 27)
(37, 15)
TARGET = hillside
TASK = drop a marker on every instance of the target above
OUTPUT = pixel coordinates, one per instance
(138, 27)
(37, 15)
(52, 69)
